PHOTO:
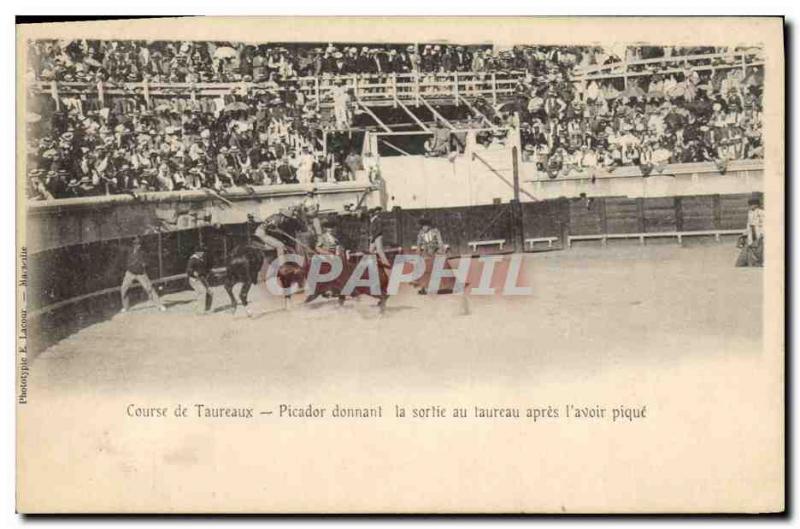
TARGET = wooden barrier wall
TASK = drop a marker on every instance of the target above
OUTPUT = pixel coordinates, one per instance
(581, 216)
(62, 273)
(73, 286)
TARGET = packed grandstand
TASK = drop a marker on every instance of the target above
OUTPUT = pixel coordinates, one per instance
(106, 117)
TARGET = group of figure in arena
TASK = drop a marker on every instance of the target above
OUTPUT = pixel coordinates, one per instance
(298, 231)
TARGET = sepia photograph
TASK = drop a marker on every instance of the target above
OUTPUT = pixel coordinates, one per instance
(400, 265)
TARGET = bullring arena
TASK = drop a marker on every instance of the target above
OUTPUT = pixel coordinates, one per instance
(588, 309)
(625, 184)
(629, 181)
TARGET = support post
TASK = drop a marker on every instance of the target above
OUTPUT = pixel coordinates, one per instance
(476, 156)
(394, 147)
(516, 207)
(160, 257)
(398, 226)
(515, 166)
(477, 113)
(436, 113)
(517, 233)
(640, 215)
(603, 215)
(412, 115)
(380, 123)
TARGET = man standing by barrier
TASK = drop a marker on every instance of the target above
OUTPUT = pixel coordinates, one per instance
(327, 242)
(429, 245)
(309, 212)
(197, 270)
(135, 270)
(752, 246)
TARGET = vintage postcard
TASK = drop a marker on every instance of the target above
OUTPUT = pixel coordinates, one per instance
(400, 265)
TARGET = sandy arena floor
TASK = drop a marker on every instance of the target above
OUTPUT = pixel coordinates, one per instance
(591, 309)
(677, 330)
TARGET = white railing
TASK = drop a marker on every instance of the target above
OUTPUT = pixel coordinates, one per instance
(408, 87)
(383, 88)
(673, 64)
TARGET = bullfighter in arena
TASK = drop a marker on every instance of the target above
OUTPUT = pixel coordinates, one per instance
(263, 240)
(197, 270)
(430, 244)
(308, 212)
(327, 242)
(376, 236)
(752, 253)
(136, 270)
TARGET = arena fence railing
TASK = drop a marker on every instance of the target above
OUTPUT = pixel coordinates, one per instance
(380, 89)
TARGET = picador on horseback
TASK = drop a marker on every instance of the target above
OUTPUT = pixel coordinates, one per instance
(276, 236)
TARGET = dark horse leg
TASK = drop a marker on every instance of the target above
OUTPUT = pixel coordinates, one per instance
(242, 268)
(311, 297)
(243, 296)
(382, 302)
(383, 278)
(229, 289)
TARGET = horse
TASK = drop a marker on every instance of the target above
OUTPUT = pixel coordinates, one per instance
(247, 259)
(335, 287)
(242, 267)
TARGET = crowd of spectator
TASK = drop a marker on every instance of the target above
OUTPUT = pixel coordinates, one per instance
(183, 145)
(195, 62)
(690, 116)
(267, 133)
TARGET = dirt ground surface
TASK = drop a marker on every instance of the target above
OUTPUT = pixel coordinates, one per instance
(590, 309)
(677, 330)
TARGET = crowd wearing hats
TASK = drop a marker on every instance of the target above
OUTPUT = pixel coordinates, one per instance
(79, 145)
(119, 61)
(270, 134)
(83, 150)
(96, 145)
(648, 121)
